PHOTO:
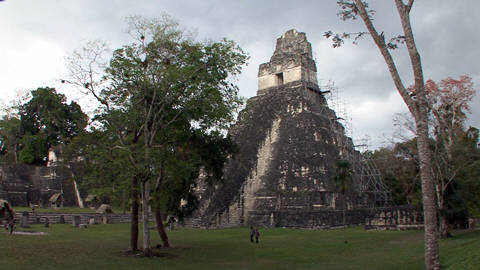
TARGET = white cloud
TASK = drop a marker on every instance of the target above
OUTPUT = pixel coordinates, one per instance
(373, 118)
(35, 64)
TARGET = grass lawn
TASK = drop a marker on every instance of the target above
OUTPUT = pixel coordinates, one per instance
(103, 247)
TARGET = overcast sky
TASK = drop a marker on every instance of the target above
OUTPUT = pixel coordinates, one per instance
(36, 35)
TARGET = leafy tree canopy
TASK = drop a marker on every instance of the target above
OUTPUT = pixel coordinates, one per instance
(10, 136)
(47, 112)
(47, 120)
(165, 100)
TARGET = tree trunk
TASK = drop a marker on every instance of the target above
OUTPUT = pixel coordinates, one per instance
(418, 108)
(147, 251)
(147, 133)
(432, 258)
(442, 221)
(134, 222)
(15, 153)
(443, 227)
(161, 228)
(158, 214)
(124, 201)
(344, 219)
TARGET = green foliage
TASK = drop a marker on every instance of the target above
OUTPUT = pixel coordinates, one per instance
(47, 112)
(45, 120)
(455, 211)
(99, 168)
(343, 178)
(398, 166)
(468, 178)
(400, 169)
(10, 135)
(459, 194)
(181, 168)
(470, 187)
(171, 76)
(166, 102)
(34, 148)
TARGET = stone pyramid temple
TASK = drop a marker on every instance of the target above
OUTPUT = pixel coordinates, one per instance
(290, 142)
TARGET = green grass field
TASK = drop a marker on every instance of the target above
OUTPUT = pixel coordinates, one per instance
(104, 246)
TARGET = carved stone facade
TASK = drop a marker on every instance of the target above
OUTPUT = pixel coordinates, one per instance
(292, 61)
(290, 142)
(395, 218)
(22, 184)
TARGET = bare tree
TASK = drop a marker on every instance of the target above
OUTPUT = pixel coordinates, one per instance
(417, 105)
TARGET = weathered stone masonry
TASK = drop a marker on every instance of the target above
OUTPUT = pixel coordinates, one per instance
(23, 184)
(289, 143)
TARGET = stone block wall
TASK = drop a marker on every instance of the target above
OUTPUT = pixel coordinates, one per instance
(23, 184)
(395, 218)
(55, 218)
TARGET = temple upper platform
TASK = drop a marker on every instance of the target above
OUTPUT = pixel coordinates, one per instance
(292, 61)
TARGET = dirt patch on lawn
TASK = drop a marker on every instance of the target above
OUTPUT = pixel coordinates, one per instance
(29, 233)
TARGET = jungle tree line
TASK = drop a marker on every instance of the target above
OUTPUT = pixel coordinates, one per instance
(43, 121)
(455, 154)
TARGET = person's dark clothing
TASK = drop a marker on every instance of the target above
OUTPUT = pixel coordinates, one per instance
(11, 225)
(252, 233)
(257, 235)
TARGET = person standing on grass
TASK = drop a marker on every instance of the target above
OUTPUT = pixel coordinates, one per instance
(257, 235)
(11, 224)
(171, 221)
(252, 233)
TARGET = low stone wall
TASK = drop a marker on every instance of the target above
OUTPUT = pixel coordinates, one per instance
(324, 219)
(390, 218)
(85, 218)
(395, 218)
(320, 219)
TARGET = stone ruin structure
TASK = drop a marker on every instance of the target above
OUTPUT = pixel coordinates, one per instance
(395, 218)
(27, 185)
(290, 142)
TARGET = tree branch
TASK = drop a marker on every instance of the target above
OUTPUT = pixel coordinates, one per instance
(409, 5)
(382, 46)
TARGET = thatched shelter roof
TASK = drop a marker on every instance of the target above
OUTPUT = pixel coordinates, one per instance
(91, 198)
(2, 203)
(104, 208)
(6, 210)
(55, 197)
